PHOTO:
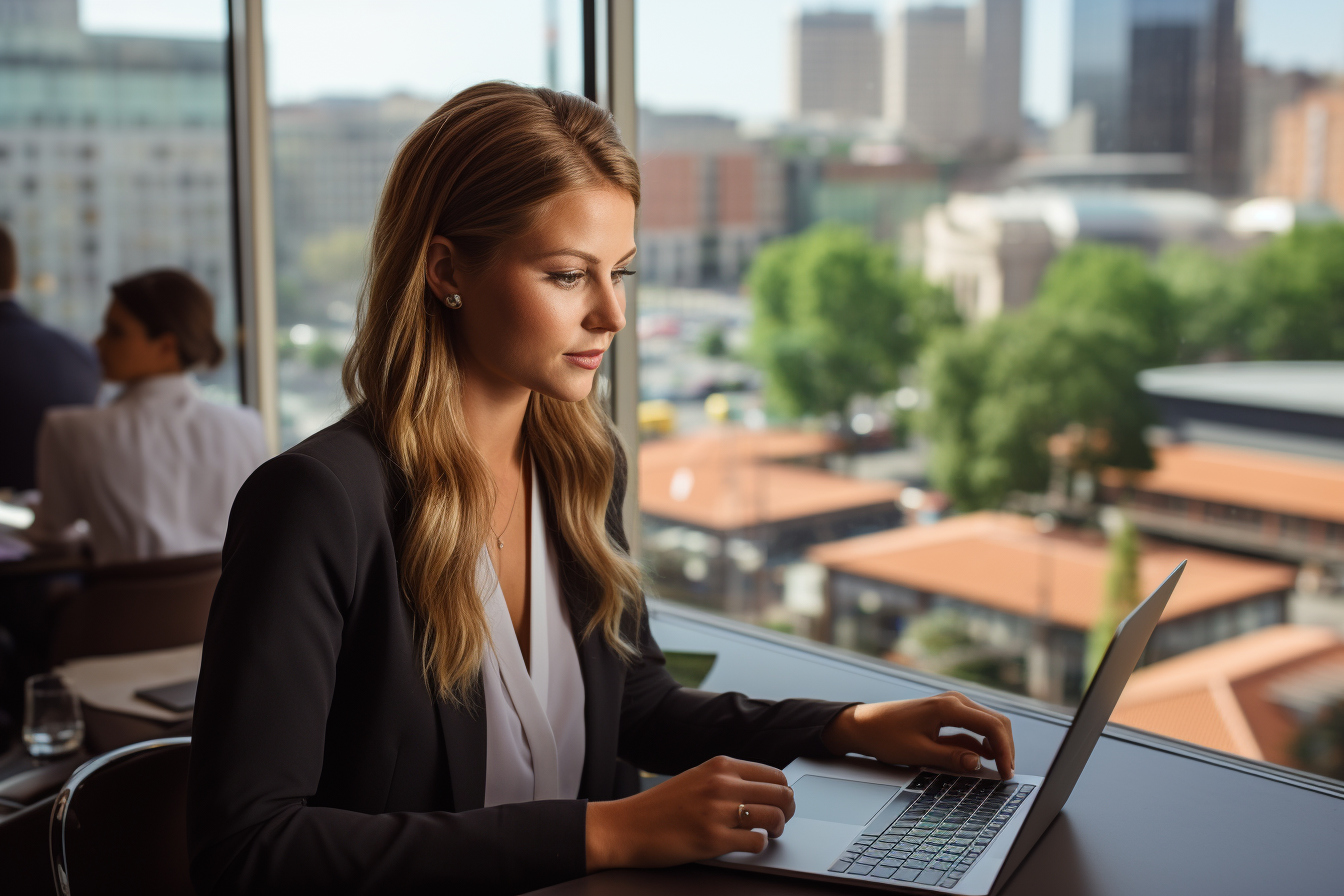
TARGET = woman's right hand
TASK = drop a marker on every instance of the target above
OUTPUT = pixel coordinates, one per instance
(690, 817)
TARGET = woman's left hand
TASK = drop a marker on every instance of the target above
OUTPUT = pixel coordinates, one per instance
(906, 732)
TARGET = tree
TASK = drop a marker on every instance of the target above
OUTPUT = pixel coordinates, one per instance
(834, 317)
(1211, 320)
(1001, 390)
(1122, 593)
(1109, 281)
(1292, 296)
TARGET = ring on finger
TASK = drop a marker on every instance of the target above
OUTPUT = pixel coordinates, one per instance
(743, 816)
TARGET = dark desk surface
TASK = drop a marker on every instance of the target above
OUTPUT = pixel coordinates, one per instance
(1149, 816)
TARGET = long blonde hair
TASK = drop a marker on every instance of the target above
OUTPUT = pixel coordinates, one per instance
(478, 172)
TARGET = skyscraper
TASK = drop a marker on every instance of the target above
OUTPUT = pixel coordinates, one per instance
(836, 66)
(1163, 76)
(953, 77)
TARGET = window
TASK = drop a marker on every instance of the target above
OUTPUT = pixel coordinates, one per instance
(335, 128)
(907, 272)
(88, 91)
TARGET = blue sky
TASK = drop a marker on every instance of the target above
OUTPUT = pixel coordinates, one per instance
(728, 56)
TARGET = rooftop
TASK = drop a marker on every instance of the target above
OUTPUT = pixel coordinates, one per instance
(1000, 560)
(1312, 387)
(1237, 695)
(1262, 480)
(724, 480)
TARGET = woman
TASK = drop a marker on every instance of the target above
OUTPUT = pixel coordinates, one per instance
(154, 473)
(428, 648)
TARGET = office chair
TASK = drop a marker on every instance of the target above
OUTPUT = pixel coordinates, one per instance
(129, 607)
(120, 823)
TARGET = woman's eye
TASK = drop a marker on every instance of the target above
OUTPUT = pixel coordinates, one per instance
(568, 278)
(620, 274)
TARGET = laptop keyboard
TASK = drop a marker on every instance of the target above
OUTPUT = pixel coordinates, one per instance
(940, 835)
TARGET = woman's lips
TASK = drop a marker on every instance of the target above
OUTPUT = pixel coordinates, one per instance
(590, 360)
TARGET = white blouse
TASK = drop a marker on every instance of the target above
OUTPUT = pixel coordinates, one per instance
(533, 720)
(153, 474)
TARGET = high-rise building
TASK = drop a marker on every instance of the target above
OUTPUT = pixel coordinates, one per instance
(1267, 91)
(113, 159)
(1163, 76)
(994, 47)
(836, 66)
(1307, 153)
(953, 77)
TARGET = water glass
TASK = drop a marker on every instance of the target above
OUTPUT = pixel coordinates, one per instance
(52, 723)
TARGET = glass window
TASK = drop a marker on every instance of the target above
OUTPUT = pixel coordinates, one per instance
(942, 304)
(114, 156)
(348, 81)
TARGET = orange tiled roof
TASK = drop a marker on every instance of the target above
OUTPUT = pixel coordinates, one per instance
(999, 560)
(1219, 696)
(1257, 479)
(720, 480)
(723, 443)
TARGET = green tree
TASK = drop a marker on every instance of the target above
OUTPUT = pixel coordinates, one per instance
(1292, 296)
(1109, 281)
(1001, 390)
(1122, 594)
(1210, 318)
(834, 317)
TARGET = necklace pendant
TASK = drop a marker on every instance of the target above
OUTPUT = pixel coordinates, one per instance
(500, 542)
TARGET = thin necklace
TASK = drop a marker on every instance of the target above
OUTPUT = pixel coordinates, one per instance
(499, 539)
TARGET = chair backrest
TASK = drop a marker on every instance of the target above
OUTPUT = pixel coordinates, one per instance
(120, 823)
(129, 607)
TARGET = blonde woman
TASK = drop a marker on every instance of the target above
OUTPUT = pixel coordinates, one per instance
(428, 648)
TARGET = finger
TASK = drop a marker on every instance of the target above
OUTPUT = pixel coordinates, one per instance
(978, 720)
(741, 840)
(967, 742)
(759, 816)
(779, 795)
(755, 771)
(1005, 762)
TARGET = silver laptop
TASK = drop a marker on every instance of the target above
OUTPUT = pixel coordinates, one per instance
(862, 822)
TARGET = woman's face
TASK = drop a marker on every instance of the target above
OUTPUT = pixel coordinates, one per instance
(541, 317)
(126, 351)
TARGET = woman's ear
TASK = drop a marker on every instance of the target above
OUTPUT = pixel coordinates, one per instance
(166, 352)
(442, 276)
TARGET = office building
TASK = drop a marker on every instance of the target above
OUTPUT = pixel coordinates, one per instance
(1024, 593)
(953, 78)
(1307, 150)
(992, 250)
(710, 200)
(836, 66)
(113, 159)
(1267, 91)
(1164, 76)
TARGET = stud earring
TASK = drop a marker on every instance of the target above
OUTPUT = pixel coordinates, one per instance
(453, 301)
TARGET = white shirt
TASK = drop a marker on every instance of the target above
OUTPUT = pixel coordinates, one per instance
(534, 729)
(153, 474)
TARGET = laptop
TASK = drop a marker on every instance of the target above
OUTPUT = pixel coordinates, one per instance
(860, 822)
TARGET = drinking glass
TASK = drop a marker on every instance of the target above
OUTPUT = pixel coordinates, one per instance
(52, 723)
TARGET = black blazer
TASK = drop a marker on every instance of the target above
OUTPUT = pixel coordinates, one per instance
(40, 368)
(322, 764)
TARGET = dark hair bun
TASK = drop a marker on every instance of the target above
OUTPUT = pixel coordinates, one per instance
(168, 300)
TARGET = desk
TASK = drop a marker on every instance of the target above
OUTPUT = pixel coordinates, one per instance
(1148, 816)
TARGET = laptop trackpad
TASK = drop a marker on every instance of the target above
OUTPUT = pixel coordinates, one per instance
(839, 800)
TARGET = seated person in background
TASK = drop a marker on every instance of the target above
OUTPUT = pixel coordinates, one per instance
(155, 472)
(39, 368)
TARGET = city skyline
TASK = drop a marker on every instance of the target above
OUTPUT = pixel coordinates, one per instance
(722, 73)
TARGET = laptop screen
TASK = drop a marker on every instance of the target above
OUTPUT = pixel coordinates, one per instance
(1122, 655)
